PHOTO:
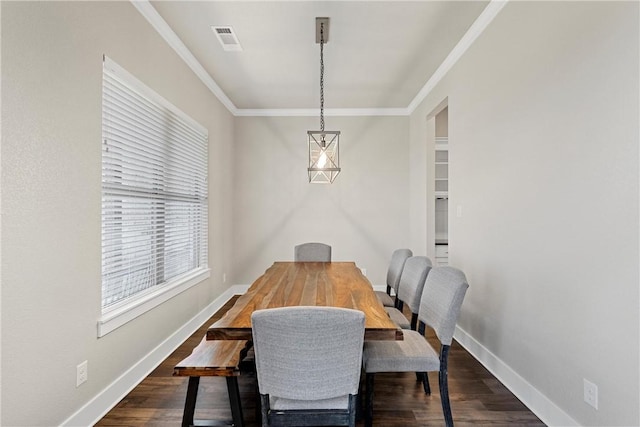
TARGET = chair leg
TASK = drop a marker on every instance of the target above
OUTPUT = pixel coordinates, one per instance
(258, 410)
(414, 321)
(421, 328)
(424, 378)
(359, 402)
(444, 387)
(264, 409)
(353, 405)
(388, 290)
(368, 415)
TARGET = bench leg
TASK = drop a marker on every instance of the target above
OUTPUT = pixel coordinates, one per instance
(190, 403)
(234, 400)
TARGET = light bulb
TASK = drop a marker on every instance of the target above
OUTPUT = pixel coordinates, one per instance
(322, 160)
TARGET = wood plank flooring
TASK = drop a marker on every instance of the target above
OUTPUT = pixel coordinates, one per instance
(477, 398)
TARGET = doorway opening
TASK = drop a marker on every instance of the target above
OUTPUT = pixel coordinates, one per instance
(438, 128)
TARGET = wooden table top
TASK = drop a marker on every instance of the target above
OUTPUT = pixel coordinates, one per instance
(286, 284)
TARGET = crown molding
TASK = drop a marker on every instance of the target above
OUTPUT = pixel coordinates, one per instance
(313, 112)
(479, 25)
(477, 28)
(151, 14)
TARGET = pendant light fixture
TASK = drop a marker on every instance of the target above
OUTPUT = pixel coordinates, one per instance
(324, 158)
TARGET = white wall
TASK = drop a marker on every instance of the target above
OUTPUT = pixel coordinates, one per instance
(362, 215)
(543, 137)
(51, 152)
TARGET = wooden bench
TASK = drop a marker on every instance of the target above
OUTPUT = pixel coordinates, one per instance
(213, 359)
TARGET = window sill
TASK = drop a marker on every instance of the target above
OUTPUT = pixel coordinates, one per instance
(118, 316)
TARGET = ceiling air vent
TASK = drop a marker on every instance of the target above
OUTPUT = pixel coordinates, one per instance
(227, 38)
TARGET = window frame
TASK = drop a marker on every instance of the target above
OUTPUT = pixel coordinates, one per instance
(117, 314)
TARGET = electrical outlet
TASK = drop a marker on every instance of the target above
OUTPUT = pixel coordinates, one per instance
(82, 373)
(590, 393)
(224, 277)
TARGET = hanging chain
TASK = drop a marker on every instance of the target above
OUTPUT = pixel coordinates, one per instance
(321, 77)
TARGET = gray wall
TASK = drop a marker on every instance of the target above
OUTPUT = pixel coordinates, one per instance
(543, 139)
(51, 153)
(362, 215)
(543, 128)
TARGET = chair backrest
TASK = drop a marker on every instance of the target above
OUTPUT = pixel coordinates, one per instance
(318, 252)
(442, 297)
(308, 353)
(396, 265)
(414, 274)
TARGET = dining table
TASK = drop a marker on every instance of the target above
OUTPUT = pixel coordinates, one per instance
(287, 284)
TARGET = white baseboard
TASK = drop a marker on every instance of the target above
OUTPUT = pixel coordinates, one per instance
(538, 403)
(382, 288)
(104, 401)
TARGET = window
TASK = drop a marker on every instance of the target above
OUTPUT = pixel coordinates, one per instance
(154, 198)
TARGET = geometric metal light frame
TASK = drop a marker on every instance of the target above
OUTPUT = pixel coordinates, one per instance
(324, 156)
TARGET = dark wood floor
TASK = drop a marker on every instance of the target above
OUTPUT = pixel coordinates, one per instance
(477, 398)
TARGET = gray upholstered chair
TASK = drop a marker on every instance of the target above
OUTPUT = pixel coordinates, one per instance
(396, 265)
(308, 364)
(312, 252)
(440, 304)
(414, 275)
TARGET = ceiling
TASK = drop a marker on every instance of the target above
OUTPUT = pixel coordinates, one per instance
(379, 55)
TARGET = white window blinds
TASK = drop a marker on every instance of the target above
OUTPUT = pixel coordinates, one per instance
(154, 191)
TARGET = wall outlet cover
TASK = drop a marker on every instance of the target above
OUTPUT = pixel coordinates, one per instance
(590, 393)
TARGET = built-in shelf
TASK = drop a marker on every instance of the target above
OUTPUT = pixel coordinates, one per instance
(442, 200)
(442, 168)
